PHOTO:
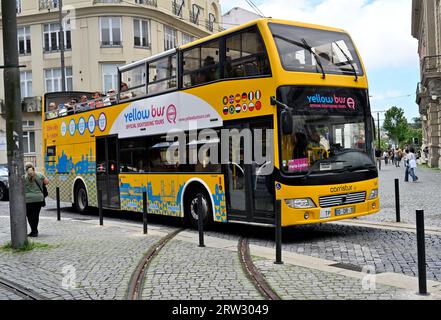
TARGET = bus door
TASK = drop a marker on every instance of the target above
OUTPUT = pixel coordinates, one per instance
(107, 170)
(250, 186)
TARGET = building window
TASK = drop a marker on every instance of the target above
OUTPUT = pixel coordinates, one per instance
(28, 141)
(110, 76)
(110, 31)
(141, 33)
(170, 38)
(186, 38)
(18, 2)
(51, 37)
(24, 40)
(52, 79)
(26, 83)
(28, 123)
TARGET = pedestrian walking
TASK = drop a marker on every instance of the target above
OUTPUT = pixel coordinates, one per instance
(378, 156)
(399, 156)
(385, 156)
(406, 165)
(412, 164)
(34, 183)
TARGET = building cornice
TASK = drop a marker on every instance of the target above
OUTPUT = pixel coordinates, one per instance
(416, 18)
(123, 9)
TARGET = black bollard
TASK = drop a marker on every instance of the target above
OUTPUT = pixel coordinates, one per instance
(100, 205)
(57, 194)
(200, 221)
(421, 247)
(278, 226)
(144, 211)
(397, 200)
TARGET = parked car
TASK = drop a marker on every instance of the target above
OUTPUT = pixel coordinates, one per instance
(4, 182)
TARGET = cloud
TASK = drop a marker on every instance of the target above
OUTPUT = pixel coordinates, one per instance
(381, 29)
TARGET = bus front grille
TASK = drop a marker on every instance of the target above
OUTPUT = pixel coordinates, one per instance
(342, 199)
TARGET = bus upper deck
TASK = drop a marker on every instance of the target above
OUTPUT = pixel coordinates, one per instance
(289, 52)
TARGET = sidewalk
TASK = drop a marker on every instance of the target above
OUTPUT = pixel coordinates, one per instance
(424, 194)
(99, 261)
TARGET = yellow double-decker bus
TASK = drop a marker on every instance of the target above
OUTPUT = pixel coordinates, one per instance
(298, 91)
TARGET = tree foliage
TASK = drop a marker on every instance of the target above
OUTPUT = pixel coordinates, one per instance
(395, 123)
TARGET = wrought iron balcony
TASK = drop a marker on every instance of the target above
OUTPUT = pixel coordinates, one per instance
(177, 8)
(106, 1)
(151, 3)
(48, 4)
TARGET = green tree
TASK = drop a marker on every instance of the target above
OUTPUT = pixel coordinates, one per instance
(395, 123)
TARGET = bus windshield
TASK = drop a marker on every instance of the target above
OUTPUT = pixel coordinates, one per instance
(301, 48)
(330, 131)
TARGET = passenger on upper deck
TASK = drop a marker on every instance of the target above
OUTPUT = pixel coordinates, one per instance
(97, 99)
(84, 105)
(52, 111)
(111, 98)
(71, 106)
(125, 94)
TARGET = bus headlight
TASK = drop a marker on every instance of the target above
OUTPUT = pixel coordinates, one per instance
(305, 203)
(374, 194)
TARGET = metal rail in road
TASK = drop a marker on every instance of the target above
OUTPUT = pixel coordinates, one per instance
(253, 274)
(20, 291)
(136, 283)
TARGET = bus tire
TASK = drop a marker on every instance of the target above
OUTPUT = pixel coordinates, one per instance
(81, 203)
(190, 207)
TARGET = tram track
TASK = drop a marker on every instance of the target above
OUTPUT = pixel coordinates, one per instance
(253, 273)
(136, 283)
(19, 290)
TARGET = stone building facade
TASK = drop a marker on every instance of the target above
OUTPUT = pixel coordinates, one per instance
(100, 35)
(426, 28)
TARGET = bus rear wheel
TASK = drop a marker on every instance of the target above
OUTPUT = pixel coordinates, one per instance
(191, 208)
(80, 199)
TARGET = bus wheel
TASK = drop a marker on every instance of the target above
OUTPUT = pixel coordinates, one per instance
(191, 208)
(81, 204)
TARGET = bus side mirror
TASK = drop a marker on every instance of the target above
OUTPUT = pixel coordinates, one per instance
(286, 122)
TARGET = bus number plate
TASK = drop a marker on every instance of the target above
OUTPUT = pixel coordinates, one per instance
(325, 213)
(344, 211)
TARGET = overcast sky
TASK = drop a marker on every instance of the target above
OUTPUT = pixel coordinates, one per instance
(381, 30)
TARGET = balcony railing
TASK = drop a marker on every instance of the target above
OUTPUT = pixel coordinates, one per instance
(48, 4)
(177, 8)
(151, 3)
(194, 18)
(106, 1)
(111, 44)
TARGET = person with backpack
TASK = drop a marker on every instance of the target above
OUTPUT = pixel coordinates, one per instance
(35, 192)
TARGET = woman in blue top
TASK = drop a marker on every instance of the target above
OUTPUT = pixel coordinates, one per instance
(33, 184)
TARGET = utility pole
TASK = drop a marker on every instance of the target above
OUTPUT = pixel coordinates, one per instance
(379, 135)
(60, 20)
(14, 130)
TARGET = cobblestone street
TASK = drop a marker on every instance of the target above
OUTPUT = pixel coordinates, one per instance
(424, 194)
(99, 261)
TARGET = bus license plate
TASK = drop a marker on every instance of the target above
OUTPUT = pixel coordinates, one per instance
(344, 211)
(325, 213)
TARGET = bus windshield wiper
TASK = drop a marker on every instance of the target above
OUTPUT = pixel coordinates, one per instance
(316, 56)
(306, 46)
(366, 166)
(349, 60)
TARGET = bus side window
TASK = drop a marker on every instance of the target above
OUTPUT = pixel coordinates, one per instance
(246, 55)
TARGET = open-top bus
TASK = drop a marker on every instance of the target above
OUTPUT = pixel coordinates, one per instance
(298, 90)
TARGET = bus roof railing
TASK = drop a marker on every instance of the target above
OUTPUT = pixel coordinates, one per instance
(145, 60)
